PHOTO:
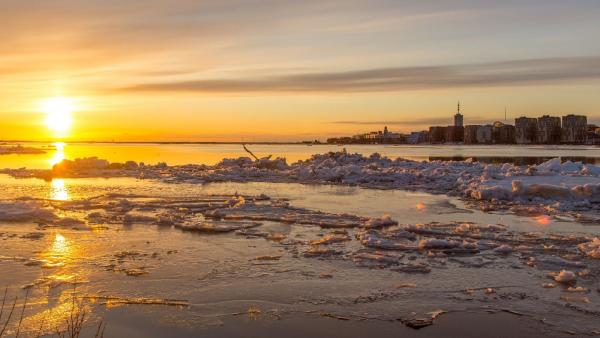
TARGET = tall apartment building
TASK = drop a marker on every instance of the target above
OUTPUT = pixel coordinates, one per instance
(485, 134)
(458, 117)
(471, 134)
(503, 133)
(574, 129)
(437, 135)
(525, 130)
(548, 130)
(454, 134)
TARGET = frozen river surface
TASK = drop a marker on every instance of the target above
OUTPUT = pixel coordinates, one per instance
(152, 258)
(146, 259)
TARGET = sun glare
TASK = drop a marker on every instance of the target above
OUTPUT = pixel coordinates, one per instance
(58, 112)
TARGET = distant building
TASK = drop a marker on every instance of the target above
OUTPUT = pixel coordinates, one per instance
(437, 135)
(458, 117)
(417, 137)
(374, 137)
(485, 134)
(525, 130)
(593, 134)
(454, 134)
(470, 136)
(574, 129)
(395, 138)
(548, 130)
(503, 133)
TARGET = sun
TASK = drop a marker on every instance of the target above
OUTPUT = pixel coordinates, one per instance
(58, 112)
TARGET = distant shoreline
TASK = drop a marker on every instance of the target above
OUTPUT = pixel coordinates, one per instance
(164, 142)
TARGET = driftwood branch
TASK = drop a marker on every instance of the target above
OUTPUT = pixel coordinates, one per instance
(249, 152)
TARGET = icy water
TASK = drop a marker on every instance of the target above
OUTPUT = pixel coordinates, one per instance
(177, 154)
(130, 254)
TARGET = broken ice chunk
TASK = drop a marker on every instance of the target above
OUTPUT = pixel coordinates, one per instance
(591, 248)
(385, 220)
(566, 277)
(504, 249)
(216, 226)
(434, 243)
(331, 238)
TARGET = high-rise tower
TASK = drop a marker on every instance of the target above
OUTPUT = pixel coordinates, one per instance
(458, 117)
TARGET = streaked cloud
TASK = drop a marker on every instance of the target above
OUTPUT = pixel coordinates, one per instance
(506, 73)
(417, 122)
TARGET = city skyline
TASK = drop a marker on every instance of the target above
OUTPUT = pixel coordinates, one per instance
(288, 71)
(544, 129)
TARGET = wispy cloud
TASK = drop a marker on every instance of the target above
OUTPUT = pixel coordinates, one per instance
(505, 73)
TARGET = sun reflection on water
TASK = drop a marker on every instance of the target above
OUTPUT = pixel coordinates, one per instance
(58, 190)
(60, 244)
(543, 220)
(59, 154)
(56, 314)
(56, 298)
(59, 252)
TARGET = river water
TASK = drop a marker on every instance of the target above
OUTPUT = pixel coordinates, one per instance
(177, 154)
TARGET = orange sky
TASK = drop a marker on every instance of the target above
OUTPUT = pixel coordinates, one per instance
(286, 71)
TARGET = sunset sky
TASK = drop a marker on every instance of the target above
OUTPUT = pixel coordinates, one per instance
(224, 70)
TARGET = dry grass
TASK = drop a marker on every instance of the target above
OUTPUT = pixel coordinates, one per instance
(73, 325)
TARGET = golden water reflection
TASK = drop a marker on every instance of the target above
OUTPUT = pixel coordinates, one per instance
(56, 297)
(59, 253)
(543, 220)
(59, 154)
(60, 245)
(58, 190)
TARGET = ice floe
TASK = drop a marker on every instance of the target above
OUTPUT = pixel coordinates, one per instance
(565, 277)
(564, 265)
(560, 187)
(21, 211)
(21, 150)
(591, 248)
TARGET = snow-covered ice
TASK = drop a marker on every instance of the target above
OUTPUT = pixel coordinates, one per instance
(553, 186)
